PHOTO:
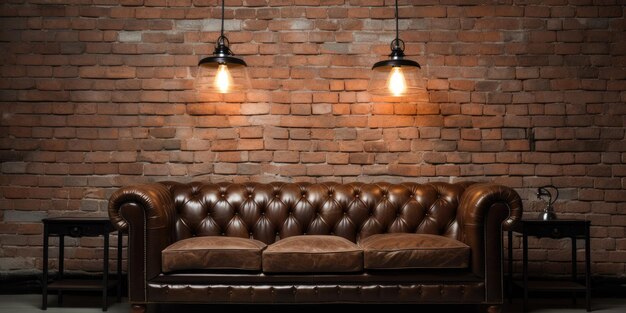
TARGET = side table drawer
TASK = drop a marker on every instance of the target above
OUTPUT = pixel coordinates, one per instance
(554, 230)
(79, 230)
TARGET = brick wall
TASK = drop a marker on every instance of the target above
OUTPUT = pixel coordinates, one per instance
(96, 94)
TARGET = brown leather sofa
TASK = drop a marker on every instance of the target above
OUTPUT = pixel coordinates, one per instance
(297, 243)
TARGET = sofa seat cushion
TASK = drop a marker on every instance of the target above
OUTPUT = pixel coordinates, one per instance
(313, 253)
(403, 250)
(213, 252)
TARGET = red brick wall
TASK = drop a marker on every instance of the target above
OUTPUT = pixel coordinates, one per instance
(96, 94)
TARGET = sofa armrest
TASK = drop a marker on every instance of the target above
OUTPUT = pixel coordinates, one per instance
(479, 198)
(485, 210)
(146, 212)
(154, 198)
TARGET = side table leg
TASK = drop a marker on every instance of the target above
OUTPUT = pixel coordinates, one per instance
(574, 267)
(119, 266)
(61, 267)
(525, 270)
(510, 274)
(588, 268)
(44, 279)
(105, 272)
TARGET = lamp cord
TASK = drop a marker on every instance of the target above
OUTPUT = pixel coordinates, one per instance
(397, 31)
(543, 191)
(222, 31)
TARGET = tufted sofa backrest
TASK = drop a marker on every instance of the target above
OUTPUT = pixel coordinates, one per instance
(269, 212)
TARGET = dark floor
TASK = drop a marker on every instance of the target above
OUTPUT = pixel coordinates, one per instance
(86, 303)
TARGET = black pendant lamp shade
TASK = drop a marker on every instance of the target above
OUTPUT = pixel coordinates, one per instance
(222, 72)
(396, 76)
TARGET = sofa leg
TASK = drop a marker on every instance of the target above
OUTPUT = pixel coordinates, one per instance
(494, 309)
(138, 308)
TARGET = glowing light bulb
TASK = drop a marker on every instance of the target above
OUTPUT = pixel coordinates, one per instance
(396, 82)
(223, 79)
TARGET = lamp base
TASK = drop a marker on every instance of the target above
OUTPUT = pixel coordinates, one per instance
(547, 216)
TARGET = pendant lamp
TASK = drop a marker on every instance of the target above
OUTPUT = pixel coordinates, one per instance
(222, 72)
(396, 76)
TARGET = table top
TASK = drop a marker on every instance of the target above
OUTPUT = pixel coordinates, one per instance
(553, 228)
(76, 219)
(554, 222)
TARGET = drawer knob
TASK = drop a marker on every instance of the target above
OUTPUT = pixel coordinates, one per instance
(556, 232)
(75, 231)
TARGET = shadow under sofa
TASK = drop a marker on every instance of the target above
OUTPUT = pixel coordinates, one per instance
(305, 243)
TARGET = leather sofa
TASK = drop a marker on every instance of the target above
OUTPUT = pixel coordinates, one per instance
(304, 243)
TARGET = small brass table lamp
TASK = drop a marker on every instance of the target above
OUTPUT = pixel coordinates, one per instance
(548, 212)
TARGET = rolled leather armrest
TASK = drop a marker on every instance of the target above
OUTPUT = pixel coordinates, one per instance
(479, 198)
(485, 209)
(155, 199)
(146, 212)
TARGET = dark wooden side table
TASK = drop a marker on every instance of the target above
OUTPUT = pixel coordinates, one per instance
(80, 227)
(557, 229)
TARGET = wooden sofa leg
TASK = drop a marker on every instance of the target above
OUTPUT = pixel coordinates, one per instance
(138, 308)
